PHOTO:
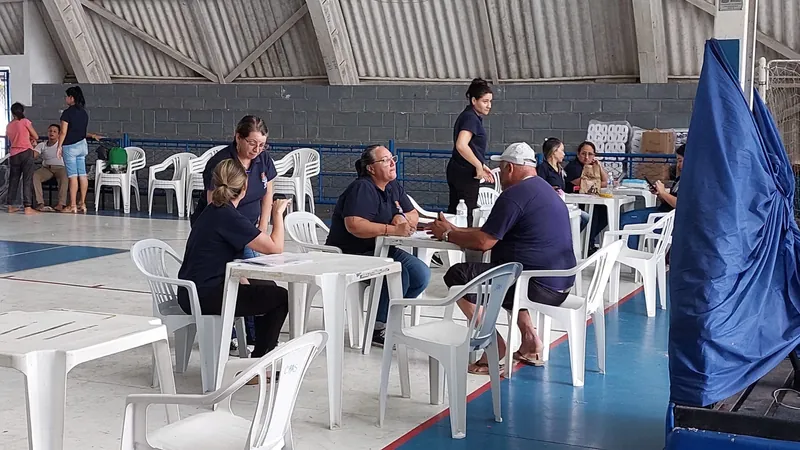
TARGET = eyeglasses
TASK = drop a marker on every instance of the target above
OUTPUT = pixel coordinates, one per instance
(256, 144)
(386, 160)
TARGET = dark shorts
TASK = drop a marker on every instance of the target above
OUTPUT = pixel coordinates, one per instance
(463, 273)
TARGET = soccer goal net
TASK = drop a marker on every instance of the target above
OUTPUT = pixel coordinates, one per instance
(783, 99)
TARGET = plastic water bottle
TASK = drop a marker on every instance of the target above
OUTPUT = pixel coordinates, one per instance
(461, 214)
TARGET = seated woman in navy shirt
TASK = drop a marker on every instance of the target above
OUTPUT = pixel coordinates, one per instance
(551, 171)
(376, 205)
(219, 235)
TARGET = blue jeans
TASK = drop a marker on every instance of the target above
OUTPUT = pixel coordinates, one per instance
(415, 275)
(633, 217)
(249, 322)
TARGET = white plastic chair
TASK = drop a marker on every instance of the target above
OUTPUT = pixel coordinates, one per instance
(302, 228)
(268, 429)
(652, 266)
(149, 256)
(571, 314)
(194, 175)
(177, 185)
(449, 343)
(496, 174)
(120, 182)
(487, 197)
(304, 164)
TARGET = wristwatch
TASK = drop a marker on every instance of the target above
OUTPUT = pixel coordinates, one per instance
(444, 235)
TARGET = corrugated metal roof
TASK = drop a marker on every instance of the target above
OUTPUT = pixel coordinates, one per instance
(237, 27)
(11, 36)
(414, 40)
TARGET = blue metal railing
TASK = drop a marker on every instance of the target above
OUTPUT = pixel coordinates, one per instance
(422, 171)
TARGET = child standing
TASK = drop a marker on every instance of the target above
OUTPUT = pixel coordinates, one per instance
(23, 138)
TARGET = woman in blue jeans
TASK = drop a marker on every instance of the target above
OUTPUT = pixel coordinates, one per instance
(669, 201)
(72, 148)
(373, 205)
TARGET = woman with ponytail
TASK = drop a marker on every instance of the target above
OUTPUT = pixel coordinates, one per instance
(467, 166)
(219, 235)
(373, 205)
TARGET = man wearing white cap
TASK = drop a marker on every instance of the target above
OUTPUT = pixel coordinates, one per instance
(529, 224)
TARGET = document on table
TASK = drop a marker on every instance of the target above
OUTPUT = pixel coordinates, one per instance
(278, 260)
(422, 235)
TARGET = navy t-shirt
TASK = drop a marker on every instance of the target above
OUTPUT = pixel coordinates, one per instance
(218, 237)
(362, 198)
(664, 206)
(470, 121)
(532, 226)
(552, 176)
(78, 120)
(261, 171)
(573, 171)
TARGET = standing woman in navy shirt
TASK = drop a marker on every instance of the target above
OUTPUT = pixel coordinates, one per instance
(467, 165)
(373, 205)
(219, 235)
(72, 148)
(250, 149)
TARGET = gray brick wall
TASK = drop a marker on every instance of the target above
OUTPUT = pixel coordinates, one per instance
(415, 116)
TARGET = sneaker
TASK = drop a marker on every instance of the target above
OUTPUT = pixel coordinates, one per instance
(378, 338)
(436, 261)
(234, 350)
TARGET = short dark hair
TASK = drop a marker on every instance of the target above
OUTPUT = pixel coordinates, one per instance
(55, 125)
(18, 111)
(681, 149)
(585, 143)
(478, 88)
(77, 94)
(367, 157)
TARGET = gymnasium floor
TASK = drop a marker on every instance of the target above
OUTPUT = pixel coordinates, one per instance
(82, 262)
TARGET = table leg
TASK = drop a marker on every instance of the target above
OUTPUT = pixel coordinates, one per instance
(588, 232)
(333, 303)
(228, 310)
(45, 394)
(575, 225)
(166, 379)
(372, 314)
(297, 310)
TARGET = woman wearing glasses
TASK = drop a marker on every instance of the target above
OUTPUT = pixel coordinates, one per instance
(250, 149)
(376, 205)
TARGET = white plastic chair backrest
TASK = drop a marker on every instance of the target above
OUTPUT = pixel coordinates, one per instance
(198, 165)
(302, 227)
(665, 224)
(179, 161)
(490, 288)
(496, 174)
(307, 159)
(479, 216)
(149, 257)
(422, 211)
(136, 159)
(603, 260)
(487, 197)
(276, 399)
(284, 165)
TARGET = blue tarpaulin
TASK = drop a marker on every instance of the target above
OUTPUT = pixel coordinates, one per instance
(734, 283)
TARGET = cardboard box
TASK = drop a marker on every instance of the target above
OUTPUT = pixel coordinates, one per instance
(658, 141)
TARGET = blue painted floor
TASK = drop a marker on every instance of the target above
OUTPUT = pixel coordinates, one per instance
(623, 409)
(16, 256)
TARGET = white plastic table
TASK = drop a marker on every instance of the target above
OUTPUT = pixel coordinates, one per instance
(612, 205)
(46, 345)
(649, 197)
(332, 273)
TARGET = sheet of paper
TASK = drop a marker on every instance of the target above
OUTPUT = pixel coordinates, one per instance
(282, 259)
(422, 235)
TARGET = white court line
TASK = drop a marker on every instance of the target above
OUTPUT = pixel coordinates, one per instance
(35, 251)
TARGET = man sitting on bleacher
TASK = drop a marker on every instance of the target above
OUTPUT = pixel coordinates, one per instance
(52, 166)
